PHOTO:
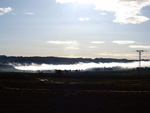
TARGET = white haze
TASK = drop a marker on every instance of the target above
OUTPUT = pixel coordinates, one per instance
(81, 66)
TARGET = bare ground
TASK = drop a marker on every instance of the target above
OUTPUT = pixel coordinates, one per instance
(31, 96)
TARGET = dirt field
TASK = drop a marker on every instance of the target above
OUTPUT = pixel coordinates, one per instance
(31, 96)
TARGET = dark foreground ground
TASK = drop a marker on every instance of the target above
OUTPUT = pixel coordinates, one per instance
(111, 93)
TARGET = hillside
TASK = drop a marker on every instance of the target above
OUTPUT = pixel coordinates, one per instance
(56, 60)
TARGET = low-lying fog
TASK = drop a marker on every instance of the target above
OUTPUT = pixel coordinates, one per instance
(80, 66)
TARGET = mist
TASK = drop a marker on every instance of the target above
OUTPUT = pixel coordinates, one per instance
(80, 66)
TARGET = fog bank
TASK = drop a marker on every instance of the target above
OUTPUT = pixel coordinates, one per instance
(80, 66)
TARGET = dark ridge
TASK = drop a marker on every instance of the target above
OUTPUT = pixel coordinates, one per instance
(57, 60)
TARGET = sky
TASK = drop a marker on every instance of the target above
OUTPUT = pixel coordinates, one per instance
(75, 28)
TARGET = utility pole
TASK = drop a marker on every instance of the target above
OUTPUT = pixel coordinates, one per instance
(140, 53)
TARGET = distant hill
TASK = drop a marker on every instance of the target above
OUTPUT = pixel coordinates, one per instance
(7, 68)
(56, 60)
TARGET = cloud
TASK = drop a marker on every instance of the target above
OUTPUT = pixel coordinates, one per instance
(103, 13)
(70, 45)
(97, 42)
(5, 10)
(84, 19)
(139, 46)
(92, 47)
(14, 14)
(71, 48)
(29, 13)
(125, 11)
(117, 55)
(124, 42)
(74, 43)
(133, 20)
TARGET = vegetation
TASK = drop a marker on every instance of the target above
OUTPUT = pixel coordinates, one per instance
(129, 77)
(117, 92)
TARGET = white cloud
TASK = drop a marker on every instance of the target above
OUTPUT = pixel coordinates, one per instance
(124, 42)
(139, 46)
(74, 43)
(92, 47)
(5, 10)
(69, 45)
(14, 14)
(103, 13)
(97, 42)
(29, 13)
(133, 20)
(72, 56)
(117, 55)
(84, 19)
(125, 11)
(72, 48)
